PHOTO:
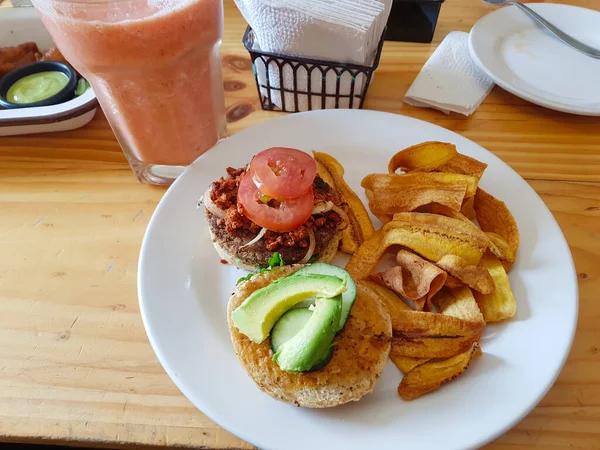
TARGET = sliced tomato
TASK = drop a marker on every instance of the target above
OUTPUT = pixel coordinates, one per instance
(281, 172)
(290, 214)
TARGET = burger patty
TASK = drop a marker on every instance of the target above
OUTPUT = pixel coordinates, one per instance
(257, 254)
(236, 230)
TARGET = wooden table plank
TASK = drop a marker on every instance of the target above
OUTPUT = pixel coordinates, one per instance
(75, 364)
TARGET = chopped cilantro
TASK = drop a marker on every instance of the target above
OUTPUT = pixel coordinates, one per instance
(274, 261)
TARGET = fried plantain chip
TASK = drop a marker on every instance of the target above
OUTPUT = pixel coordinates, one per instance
(497, 245)
(475, 277)
(408, 191)
(458, 302)
(501, 303)
(464, 164)
(431, 348)
(385, 218)
(325, 175)
(391, 301)
(416, 180)
(424, 157)
(501, 249)
(429, 376)
(394, 306)
(493, 216)
(452, 282)
(467, 208)
(429, 335)
(417, 324)
(405, 363)
(431, 236)
(360, 227)
(414, 278)
(449, 212)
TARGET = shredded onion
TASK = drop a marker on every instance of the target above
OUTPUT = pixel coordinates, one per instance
(322, 207)
(258, 237)
(212, 208)
(311, 247)
(343, 215)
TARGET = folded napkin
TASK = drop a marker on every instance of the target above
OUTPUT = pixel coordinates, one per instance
(450, 80)
(346, 31)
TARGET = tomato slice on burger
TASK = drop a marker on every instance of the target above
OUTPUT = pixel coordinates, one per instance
(287, 216)
(281, 172)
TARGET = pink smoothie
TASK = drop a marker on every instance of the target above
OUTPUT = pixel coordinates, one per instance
(155, 68)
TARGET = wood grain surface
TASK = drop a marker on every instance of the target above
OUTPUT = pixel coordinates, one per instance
(75, 363)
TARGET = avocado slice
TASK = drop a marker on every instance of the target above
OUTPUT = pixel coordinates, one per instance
(258, 313)
(348, 297)
(312, 344)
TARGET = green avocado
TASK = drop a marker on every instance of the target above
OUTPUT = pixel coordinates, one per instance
(348, 297)
(312, 344)
(258, 313)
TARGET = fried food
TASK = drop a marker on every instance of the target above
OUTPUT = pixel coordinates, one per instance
(497, 245)
(419, 324)
(429, 376)
(433, 347)
(12, 58)
(501, 250)
(431, 236)
(464, 164)
(422, 157)
(360, 227)
(414, 278)
(500, 304)
(356, 364)
(467, 208)
(429, 335)
(493, 216)
(391, 193)
(458, 302)
(404, 363)
(53, 54)
(475, 277)
(452, 282)
(464, 241)
(392, 303)
(420, 181)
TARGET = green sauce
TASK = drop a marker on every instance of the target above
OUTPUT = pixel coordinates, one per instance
(37, 87)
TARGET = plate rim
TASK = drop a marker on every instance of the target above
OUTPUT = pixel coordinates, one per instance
(523, 94)
(219, 418)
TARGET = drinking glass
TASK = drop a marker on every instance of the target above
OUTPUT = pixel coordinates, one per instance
(155, 68)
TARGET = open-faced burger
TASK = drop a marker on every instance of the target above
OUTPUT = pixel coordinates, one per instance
(277, 203)
(309, 335)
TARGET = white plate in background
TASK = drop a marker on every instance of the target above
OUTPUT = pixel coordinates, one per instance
(527, 60)
(183, 291)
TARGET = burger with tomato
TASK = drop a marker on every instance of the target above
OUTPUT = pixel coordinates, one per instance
(277, 203)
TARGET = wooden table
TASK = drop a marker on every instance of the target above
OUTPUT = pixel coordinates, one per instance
(75, 363)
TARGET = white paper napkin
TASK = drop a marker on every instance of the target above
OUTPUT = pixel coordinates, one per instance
(450, 80)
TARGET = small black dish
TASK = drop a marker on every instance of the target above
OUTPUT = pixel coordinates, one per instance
(66, 94)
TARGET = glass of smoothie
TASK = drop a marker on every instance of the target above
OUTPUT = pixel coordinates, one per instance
(155, 68)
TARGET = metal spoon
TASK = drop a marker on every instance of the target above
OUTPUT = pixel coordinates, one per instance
(569, 40)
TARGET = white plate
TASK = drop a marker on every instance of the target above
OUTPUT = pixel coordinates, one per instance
(19, 25)
(527, 60)
(184, 289)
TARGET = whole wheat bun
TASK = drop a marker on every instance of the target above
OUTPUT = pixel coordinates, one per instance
(361, 352)
(325, 256)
